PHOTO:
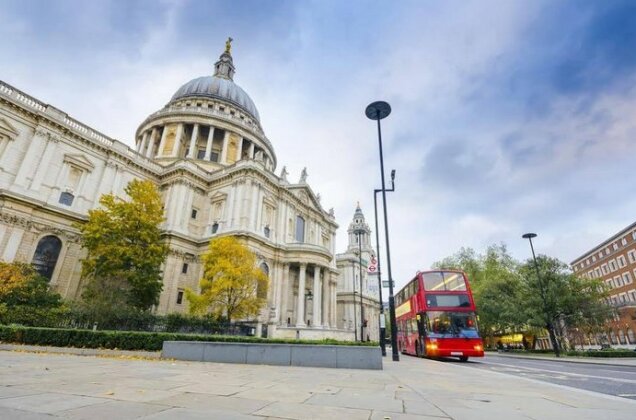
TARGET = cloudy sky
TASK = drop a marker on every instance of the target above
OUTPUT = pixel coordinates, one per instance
(508, 116)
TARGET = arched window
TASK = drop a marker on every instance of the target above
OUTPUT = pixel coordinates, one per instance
(300, 229)
(260, 292)
(46, 254)
(630, 336)
(215, 227)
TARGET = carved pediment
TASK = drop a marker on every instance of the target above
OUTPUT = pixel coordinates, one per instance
(217, 196)
(7, 130)
(307, 196)
(80, 161)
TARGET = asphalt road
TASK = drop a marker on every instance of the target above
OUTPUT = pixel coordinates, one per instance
(613, 380)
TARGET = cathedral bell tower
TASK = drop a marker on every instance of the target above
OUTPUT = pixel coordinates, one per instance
(359, 231)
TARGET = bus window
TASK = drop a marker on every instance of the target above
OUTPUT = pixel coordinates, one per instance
(444, 281)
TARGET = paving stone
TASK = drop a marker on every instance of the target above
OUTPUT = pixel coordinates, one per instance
(205, 401)
(120, 410)
(13, 391)
(387, 415)
(353, 400)
(424, 408)
(276, 393)
(307, 411)
(49, 402)
(189, 414)
(13, 414)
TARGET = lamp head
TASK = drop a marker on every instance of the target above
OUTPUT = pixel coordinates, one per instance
(378, 110)
(529, 235)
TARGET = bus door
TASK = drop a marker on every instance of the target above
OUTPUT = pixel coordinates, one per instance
(421, 333)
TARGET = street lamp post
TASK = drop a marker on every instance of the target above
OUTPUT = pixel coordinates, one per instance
(359, 233)
(377, 248)
(378, 111)
(555, 344)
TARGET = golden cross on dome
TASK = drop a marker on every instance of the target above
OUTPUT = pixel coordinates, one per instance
(228, 44)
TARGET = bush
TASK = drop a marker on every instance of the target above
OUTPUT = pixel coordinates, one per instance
(603, 353)
(133, 340)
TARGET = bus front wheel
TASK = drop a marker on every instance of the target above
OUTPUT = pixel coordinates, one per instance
(463, 358)
(418, 349)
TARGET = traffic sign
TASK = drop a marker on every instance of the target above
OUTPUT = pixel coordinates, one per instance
(385, 283)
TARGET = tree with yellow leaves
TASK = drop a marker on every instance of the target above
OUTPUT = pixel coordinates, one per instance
(232, 285)
(125, 250)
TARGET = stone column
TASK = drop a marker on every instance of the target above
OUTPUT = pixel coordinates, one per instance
(325, 298)
(254, 206)
(13, 244)
(283, 294)
(33, 152)
(193, 142)
(208, 145)
(251, 152)
(317, 321)
(162, 142)
(151, 146)
(177, 141)
(300, 315)
(226, 140)
(144, 142)
(239, 149)
(43, 167)
(332, 300)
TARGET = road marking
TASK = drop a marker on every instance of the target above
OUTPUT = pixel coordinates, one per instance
(626, 395)
(629, 381)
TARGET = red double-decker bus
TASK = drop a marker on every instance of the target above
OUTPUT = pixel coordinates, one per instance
(436, 317)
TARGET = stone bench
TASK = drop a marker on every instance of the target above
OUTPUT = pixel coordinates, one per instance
(348, 357)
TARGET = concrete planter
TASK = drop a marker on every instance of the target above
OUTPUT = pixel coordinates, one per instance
(348, 357)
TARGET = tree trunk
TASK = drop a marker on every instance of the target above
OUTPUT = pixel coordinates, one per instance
(553, 339)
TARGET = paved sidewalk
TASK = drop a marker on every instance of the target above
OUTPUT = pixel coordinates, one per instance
(614, 361)
(46, 386)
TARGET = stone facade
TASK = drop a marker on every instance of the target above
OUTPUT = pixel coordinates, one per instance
(208, 155)
(351, 291)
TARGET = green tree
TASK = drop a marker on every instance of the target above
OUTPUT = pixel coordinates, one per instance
(125, 250)
(25, 297)
(495, 283)
(559, 296)
(232, 285)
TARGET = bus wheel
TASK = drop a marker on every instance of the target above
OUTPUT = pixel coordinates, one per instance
(463, 358)
(418, 350)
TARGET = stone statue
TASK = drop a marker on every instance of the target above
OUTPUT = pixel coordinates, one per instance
(284, 173)
(303, 176)
(228, 44)
(318, 197)
(331, 212)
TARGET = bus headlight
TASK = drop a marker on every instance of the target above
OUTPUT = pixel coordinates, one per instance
(431, 346)
(478, 347)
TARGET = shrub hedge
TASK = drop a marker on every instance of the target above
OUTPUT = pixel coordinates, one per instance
(603, 353)
(133, 340)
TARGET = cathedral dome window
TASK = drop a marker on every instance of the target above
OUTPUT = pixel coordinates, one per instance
(215, 227)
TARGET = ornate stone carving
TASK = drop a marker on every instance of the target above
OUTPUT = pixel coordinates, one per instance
(303, 176)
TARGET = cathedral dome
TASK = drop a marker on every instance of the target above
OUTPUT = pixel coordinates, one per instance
(218, 87)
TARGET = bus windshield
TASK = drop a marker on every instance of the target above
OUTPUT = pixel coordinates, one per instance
(444, 281)
(451, 324)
